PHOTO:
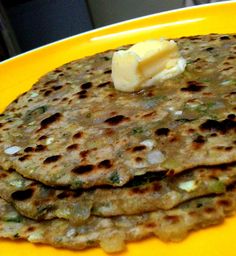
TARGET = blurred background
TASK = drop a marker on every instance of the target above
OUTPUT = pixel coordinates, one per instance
(27, 24)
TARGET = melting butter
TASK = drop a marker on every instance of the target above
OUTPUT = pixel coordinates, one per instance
(145, 64)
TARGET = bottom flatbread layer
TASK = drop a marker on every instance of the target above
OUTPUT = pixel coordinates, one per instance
(146, 194)
(112, 233)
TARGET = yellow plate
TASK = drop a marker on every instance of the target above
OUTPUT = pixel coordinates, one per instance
(18, 74)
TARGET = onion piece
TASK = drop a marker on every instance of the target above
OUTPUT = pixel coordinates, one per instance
(12, 150)
(155, 157)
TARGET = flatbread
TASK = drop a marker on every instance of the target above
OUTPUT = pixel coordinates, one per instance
(112, 233)
(143, 194)
(74, 129)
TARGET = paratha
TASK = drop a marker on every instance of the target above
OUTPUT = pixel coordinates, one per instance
(143, 194)
(74, 129)
(112, 233)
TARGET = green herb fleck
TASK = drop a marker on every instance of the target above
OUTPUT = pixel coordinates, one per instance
(185, 120)
(32, 114)
(16, 219)
(190, 61)
(217, 187)
(204, 109)
(137, 130)
(77, 184)
(115, 178)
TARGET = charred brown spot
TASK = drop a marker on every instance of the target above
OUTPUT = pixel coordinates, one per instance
(16, 100)
(43, 137)
(78, 135)
(57, 70)
(209, 210)
(83, 96)
(207, 94)
(109, 131)
(138, 148)
(105, 164)
(193, 214)
(156, 186)
(64, 99)
(31, 229)
(200, 139)
(162, 131)
(107, 71)
(11, 170)
(224, 202)
(50, 82)
(104, 84)
(221, 126)
(22, 194)
(47, 93)
(139, 190)
(150, 94)
(228, 68)
(196, 60)
(83, 169)
(47, 121)
(115, 120)
(173, 138)
(72, 147)
(220, 147)
(56, 87)
(209, 49)
(40, 148)
(3, 175)
(224, 38)
(228, 148)
(29, 149)
(149, 114)
(213, 134)
(83, 92)
(193, 86)
(151, 225)
(138, 159)
(171, 173)
(84, 153)
(172, 218)
(51, 159)
(86, 86)
(23, 158)
(64, 194)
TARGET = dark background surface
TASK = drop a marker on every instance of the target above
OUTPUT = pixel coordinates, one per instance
(38, 22)
(27, 24)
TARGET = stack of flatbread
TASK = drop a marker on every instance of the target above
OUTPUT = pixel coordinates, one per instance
(84, 165)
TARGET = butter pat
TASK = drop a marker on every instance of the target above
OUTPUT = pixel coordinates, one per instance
(146, 63)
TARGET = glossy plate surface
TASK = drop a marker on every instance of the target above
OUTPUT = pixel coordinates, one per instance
(18, 74)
